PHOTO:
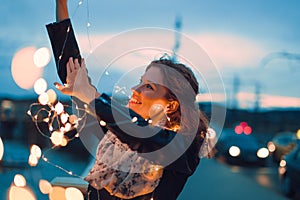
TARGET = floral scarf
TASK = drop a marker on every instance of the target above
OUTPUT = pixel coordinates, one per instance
(121, 171)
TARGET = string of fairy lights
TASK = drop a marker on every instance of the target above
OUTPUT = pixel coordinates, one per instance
(64, 123)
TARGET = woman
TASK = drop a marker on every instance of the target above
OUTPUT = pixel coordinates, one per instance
(152, 145)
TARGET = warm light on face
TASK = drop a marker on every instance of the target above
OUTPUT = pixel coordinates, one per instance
(234, 151)
(40, 86)
(262, 153)
(23, 69)
(1, 149)
(41, 57)
(73, 194)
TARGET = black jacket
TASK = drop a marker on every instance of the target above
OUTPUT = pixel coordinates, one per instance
(175, 173)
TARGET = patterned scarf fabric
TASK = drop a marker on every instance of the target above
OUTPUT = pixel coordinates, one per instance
(121, 171)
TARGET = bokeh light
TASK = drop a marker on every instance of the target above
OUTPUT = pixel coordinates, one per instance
(247, 130)
(43, 98)
(23, 69)
(1, 149)
(33, 160)
(73, 194)
(56, 138)
(238, 129)
(41, 57)
(40, 86)
(57, 193)
(45, 186)
(19, 180)
(51, 96)
(59, 108)
(234, 151)
(17, 193)
(36, 151)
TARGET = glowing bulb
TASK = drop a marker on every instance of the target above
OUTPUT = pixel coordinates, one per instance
(40, 86)
(19, 180)
(43, 98)
(41, 57)
(73, 194)
(234, 151)
(134, 119)
(1, 149)
(298, 134)
(88, 24)
(68, 126)
(80, 2)
(57, 193)
(36, 151)
(16, 193)
(56, 138)
(102, 123)
(45, 186)
(51, 95)
(33, 160)
(59, 108)
(64, 142)
(73, 119)
(262, 153)
(64, 118)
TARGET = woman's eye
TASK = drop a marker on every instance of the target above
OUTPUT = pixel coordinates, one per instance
(149, 86)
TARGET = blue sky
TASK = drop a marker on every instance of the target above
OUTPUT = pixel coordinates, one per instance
(237, 36)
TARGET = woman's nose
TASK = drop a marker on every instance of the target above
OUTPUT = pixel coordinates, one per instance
(136, 88)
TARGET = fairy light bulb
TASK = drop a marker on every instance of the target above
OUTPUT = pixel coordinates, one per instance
(73, 119)
(56, 138)
(45, 186)
(59, 108)
(33, 160)
(36, 151)
(64, 117)
(73, 193)
(19, 180)
(40, 86)
(64, 142)
(68, 126)
(51, 95)
(43, 98)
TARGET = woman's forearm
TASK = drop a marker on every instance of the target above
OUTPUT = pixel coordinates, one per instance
(61, 10)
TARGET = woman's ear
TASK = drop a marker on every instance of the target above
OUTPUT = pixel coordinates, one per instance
(172, 106)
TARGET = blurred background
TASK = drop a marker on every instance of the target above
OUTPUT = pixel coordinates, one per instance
(254, 46)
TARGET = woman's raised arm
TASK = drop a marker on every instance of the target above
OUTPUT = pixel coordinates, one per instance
(61, 10)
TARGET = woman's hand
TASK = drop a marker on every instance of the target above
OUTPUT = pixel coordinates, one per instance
(78, 83)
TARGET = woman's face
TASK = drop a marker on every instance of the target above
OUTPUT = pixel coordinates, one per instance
(150, 91)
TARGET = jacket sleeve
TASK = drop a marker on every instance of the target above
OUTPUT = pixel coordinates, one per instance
(64, 45)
